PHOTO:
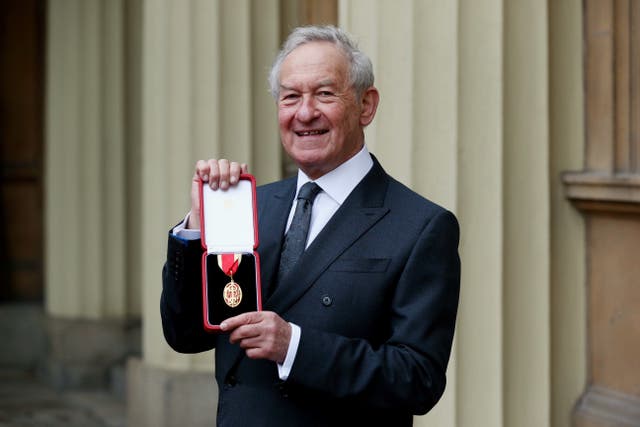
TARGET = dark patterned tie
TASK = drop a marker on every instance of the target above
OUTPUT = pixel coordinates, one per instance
(296, 239)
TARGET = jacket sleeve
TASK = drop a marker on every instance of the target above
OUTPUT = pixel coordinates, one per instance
(406, 372)
(181, 300)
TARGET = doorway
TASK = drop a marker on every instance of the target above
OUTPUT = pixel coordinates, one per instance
(21, 150)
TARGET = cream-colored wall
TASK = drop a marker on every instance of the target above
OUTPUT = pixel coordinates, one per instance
(85, 253)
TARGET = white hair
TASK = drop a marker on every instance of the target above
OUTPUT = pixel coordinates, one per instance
(360, 69)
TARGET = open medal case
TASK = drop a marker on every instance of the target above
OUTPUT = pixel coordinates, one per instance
(230, 263)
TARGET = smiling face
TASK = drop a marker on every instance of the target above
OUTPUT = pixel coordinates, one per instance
(321, 120)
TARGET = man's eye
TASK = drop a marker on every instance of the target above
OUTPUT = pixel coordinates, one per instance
(289, 97)
(326, 93)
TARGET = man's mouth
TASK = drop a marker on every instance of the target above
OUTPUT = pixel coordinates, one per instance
(311, 132)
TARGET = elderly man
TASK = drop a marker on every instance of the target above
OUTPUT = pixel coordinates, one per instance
(356, 330)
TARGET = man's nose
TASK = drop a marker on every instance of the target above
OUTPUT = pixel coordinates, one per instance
(307, 110)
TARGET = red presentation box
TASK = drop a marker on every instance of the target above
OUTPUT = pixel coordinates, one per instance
(230, 263)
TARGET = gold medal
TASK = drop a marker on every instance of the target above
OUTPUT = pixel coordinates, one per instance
(232, 293)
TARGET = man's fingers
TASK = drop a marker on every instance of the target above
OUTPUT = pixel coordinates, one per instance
(224, 166)
(220, 173)
(242, 319)
(242, 327)
(214, 174)
(247, 337)
(234, 173)
(263, 334)
(202, 171)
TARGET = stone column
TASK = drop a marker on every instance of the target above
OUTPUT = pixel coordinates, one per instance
(88, 302)
(566, 115)
(464, 120)
(481, 126)
(201, 69)
(607, 192)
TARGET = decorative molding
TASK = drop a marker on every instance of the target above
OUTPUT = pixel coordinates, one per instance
(601, 406)
(593, 191)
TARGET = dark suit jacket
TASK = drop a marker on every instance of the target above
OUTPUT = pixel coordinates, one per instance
(375, 295)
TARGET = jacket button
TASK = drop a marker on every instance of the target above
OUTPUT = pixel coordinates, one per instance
(231, 380)
(283, 391)
(326, 300)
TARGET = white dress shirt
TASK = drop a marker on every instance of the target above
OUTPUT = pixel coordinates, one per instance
(336, 187)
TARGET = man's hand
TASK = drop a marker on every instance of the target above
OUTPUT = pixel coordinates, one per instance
(262, 334)
(219, 174)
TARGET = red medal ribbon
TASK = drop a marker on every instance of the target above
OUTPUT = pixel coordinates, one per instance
(229, 263)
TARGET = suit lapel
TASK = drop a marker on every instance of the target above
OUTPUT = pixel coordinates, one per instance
(361, 210)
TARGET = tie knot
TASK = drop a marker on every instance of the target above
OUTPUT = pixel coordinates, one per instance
(309, 191)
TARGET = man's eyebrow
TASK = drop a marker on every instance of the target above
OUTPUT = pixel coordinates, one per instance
(327, 82)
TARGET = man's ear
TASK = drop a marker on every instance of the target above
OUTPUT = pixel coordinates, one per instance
(369, 105)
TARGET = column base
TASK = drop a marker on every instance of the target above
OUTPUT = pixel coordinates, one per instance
(22, 336)
(158, 397)
(601, 407)
(89, 353)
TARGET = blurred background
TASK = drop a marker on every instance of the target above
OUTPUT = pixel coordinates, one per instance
(521, 116)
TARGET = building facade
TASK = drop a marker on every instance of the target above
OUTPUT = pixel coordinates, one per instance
(521, 117)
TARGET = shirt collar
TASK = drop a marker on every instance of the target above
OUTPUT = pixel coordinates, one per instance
(341, 181)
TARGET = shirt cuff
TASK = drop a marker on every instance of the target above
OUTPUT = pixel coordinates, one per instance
(182, 232)
(285, 369)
